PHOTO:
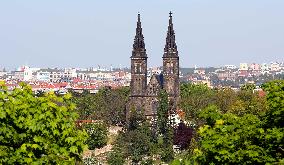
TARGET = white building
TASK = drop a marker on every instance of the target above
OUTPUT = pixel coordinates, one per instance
(230, 66)
(244, 66)
(274, 67)
(264, 68)
(43, 76)
(18, 75)
(28, 74)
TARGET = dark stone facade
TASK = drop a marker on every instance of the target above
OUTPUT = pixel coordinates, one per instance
(145, 96)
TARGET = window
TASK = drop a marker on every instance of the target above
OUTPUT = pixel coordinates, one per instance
(137, 68)
(170, 68)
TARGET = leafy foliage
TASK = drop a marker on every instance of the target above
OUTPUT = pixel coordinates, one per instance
(193, 99)
(273, 120)
(85, 104)
(166, 149)
(107, 105)
(38, 130)
(252, 103)
(140, 143)
(275, 97)
(164, 127)
(248, 87)
(90, 160)
(232, 127)
(228, 138)
(135, 143)
(183, 135)
(97, 135)
(163, 112)
(232, 140)
(116, 157)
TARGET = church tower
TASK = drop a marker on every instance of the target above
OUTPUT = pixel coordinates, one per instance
(171, 65)
(139, 57)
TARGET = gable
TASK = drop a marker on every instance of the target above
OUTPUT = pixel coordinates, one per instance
(154, 86)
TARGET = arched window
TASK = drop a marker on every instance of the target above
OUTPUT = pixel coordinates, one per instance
(138, 68)
(170, 68)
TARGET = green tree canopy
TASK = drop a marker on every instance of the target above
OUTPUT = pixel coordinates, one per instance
(163, 112)
(232, 140)
(248, 87)
(194, 98)
(135, 142)
(107, 105)
(228, 138)
(38, 130)
(97, 135)
(165, 129)
(275, 98)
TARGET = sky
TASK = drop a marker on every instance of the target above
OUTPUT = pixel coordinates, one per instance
(88, 33)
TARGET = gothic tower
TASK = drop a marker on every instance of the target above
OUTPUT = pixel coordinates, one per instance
(171, 65)
(138, 82)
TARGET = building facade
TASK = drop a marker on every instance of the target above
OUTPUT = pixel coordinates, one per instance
(144, 94)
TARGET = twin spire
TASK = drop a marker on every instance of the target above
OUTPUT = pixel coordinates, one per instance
(139, 45)
(170, 47)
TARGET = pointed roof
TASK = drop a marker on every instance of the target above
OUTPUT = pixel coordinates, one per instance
(139, 45)
(170, 47)
(155, 82)
(156, 79)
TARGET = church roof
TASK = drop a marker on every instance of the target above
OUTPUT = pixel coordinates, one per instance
(157, 78)
(160, 79)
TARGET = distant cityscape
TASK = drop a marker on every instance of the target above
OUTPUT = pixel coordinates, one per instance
(93, 79)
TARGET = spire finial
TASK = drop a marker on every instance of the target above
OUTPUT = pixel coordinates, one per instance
(170, 18)
(139, 44)
(170, 40)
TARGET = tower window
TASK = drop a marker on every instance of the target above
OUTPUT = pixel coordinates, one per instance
(138, 68)
(170, 68)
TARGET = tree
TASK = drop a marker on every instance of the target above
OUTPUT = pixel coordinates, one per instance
(116, 157)
(90, 160)
(164, 127)
(107, 105)
(248, 102)
(275, 100)
(240, 102)
(183, 135)
(111, 105)
(85, 104)
(97, 135)
(232, 140)
(38, 130)
(224, 98)
(167, 152)
(163, 112)
(135, 142)
(248, 87)
(273, 119)
(243, 139)
(194, 98)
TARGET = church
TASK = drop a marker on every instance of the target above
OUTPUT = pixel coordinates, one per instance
(145, 96)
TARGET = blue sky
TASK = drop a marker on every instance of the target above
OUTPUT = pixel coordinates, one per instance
(69, 33)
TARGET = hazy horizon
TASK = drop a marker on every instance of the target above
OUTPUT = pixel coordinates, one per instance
(91, 33)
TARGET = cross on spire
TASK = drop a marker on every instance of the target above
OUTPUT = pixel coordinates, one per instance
(170, 40)
(138, 16)
(139, 44)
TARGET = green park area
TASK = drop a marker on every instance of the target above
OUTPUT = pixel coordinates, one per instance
(218, 126)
